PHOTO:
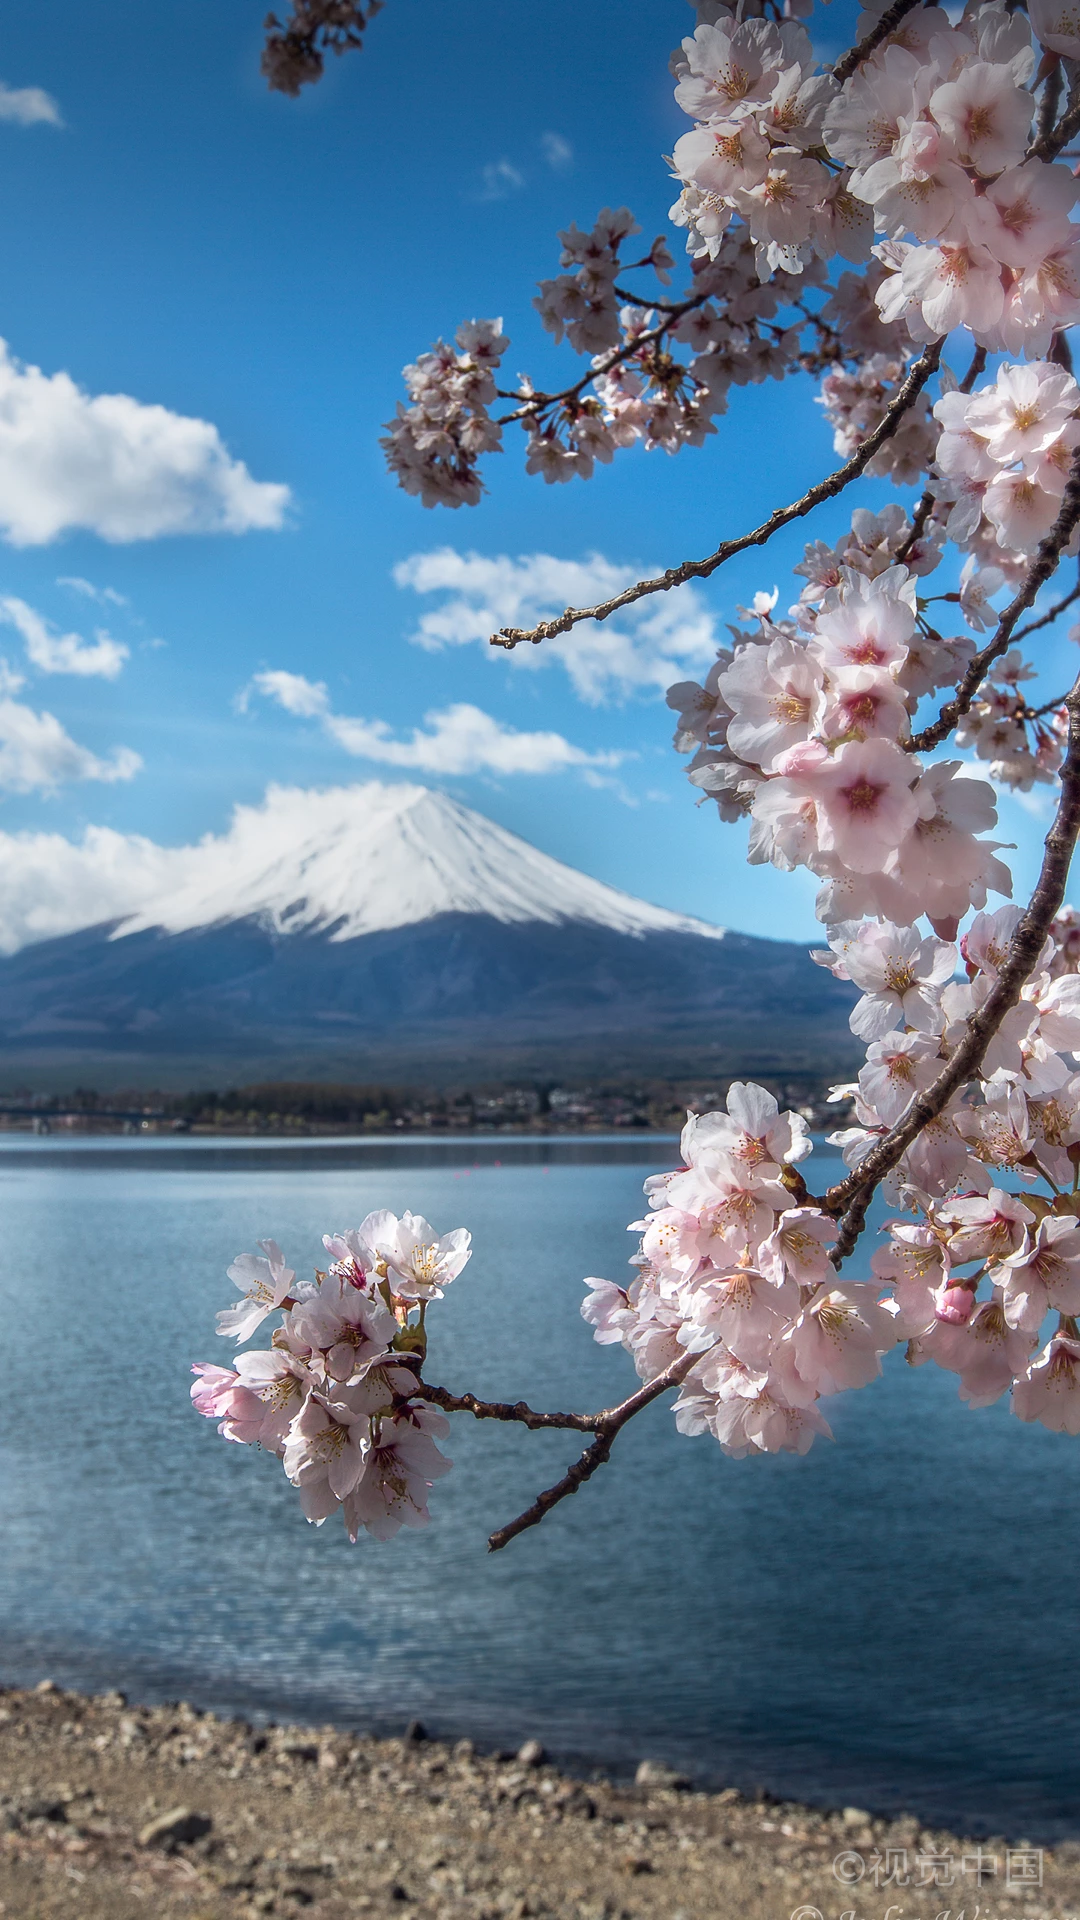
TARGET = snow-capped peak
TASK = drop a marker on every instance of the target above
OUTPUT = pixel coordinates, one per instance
(362, 859)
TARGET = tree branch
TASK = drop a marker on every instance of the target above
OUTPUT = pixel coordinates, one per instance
(1044, 564)
(827, 489)
(517, 1411)
(851, 1197)
(1049, 145)
(537, 402)
(1047, 619)
(607, 1427)
(888, 24)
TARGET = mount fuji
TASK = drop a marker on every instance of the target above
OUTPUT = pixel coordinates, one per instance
(381, 931)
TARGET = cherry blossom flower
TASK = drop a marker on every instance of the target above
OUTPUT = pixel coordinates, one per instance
(265, 1285)
(865, 804)
(985, 115)
(899, 972)
(985, 1226)
(1044, 1276)
(753, 1132)
(984, 1350)
(835, 1344)
(400, 1468)
(344, 1330)
(417, 1262)
(798, 1247)
(324, 1451)
(775, 695)
(220, 1393)
(1049, 1390)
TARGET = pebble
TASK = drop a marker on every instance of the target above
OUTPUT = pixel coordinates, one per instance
(531, 1754)
(654, 1773)
(855, 1817)
(174, 1828)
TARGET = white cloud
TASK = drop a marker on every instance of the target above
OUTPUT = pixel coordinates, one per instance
(649, 645)
(558, 152)
(115, 467)
(101, 596)
(305, 698)
(53, 886)
(37, 754)
(499, 180)
(461, 739)
(63, 652)
(28, 106)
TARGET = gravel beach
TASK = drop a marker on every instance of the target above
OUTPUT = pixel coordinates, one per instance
(110, 1810)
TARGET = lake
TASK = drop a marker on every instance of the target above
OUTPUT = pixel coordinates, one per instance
(884, 1623)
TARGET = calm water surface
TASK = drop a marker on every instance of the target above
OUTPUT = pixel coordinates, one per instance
(889, 1622)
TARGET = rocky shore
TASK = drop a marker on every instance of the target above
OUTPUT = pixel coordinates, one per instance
(110, 1810)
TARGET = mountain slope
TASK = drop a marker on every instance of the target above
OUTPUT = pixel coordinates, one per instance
(391, 933)
(356, 860)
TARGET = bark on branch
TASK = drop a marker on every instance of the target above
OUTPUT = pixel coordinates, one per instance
(826, 489)
(888, 23)
(1045, 563)
(606, 1425)
(851, 1197)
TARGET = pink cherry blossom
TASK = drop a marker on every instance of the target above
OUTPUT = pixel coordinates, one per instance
(1049, 1391)
(1044, 1276)
(835, 1344)
(400, 1468)
(752, 1132)
(265, 1285)
(985, 1226)
(798, 1247)
(219, 1393)
(776, 699)
(865, 804)
(986, 116)
(418, 1262)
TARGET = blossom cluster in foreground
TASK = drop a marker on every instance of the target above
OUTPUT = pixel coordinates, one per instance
(332, 1395)
(734, 1261)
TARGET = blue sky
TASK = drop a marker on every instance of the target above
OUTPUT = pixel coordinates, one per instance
(191, 241)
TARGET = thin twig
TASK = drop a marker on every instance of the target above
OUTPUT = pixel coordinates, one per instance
(850, 1199)
(826, 489)
(538, 402)
(923, 510)
(888, 24)
(1049, 145)
(1047, 619)
(1050, 102)
(517, 1411)
(607, 1427)
(1044, 564)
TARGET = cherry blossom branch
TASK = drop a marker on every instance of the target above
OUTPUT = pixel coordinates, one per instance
(607, 1426)
(888, 23)
(1049, 145)
(537, 402)
(1043, 566)
(294, 55)
(517, 1411)
(827, 489)
(850, 1199)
